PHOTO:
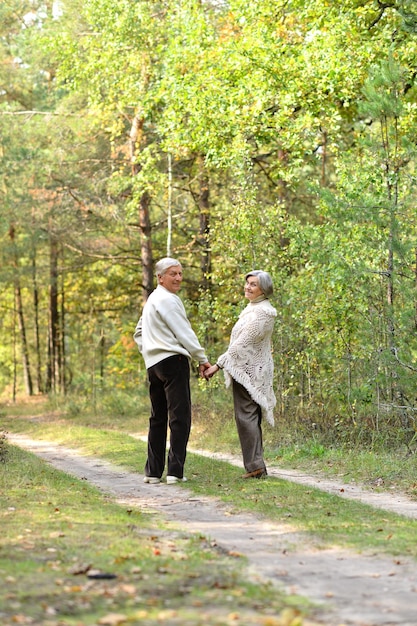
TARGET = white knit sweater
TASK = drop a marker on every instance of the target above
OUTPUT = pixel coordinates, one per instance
(248, 359)
(164, 330)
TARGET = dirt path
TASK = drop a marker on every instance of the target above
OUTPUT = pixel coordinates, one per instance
(396, 503)
(351, 589)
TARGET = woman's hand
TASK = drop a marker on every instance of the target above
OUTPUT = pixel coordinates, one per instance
(210, 371)
(203, 367)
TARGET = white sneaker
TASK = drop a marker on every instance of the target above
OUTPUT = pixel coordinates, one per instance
(171, 480)
(152, 480)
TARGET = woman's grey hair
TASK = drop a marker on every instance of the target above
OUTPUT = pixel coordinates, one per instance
(164, 264)
(264, 281)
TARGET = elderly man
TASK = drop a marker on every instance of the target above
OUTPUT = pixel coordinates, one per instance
(168, 344)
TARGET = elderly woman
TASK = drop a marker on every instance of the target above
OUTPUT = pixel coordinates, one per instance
(248, 368)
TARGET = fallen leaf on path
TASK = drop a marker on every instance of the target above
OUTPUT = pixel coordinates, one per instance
(73, 588)
(112, 619)
(287, 617)
(234, 553)
(129, 589)
(20, 619)
(140, 615)
(79, 568)
(166, 615)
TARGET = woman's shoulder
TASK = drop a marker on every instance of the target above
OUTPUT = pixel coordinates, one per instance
(266, 308)
(255, 309)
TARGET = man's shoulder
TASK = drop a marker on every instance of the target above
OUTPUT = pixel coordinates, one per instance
(163, 297)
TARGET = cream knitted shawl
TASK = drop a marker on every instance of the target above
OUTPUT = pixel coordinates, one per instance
(248, 359)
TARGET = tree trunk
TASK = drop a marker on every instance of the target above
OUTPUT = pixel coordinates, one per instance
(14, 352)
(62, 359)
(146, 245)
(25, 349)
(35, 291)
(323, 159)
(53, 331)
(204, 230)
(20, 317)
(136, 141)
(393, 199)
(415, 285)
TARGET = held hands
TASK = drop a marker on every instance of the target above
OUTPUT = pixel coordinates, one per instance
(210, 371)
(202, 368)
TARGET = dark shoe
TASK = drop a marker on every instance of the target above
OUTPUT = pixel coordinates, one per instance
(259, 473)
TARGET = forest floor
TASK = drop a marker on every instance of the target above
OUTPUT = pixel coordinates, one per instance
(351, 589)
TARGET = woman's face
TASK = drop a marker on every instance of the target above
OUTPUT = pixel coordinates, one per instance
(252, 289)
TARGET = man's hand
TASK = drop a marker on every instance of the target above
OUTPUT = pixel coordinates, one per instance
(202, 368)
(210, 371)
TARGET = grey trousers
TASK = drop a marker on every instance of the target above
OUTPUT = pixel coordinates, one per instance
(248, 416)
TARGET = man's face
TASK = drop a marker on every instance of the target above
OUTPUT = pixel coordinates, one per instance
(172, 278)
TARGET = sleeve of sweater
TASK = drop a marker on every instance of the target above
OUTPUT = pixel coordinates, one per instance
(177, 321)
(137, 335)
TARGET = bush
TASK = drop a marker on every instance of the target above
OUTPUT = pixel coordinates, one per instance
(4, 449)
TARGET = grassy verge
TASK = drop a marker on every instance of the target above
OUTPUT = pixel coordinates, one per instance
(380, 465)
(60, 536)
(324, 519)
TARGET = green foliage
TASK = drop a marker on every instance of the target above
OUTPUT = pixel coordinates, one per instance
(272, 136)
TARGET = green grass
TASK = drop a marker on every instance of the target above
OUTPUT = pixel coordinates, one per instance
(383, 470)
(324, 518)
(57, 529)
(286, 445)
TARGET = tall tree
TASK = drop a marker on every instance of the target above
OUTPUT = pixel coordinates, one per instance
(20, 315)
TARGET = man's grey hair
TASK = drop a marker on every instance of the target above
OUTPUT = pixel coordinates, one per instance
(164, 264)
(264, 281)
